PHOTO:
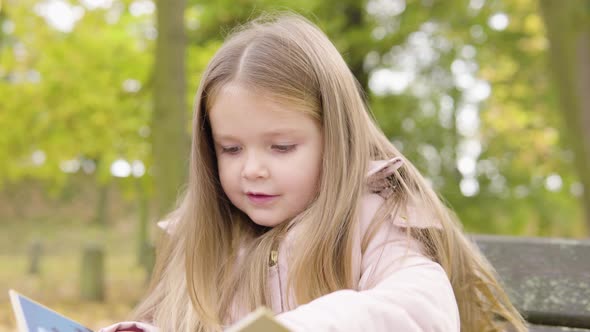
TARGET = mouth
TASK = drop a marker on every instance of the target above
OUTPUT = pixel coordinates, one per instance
(260, 198)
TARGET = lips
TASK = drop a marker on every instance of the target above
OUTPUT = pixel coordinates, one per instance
(260, 198)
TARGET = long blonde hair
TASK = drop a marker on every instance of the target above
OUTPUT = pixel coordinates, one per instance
(200, 276)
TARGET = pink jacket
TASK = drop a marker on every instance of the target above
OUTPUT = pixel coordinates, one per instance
(398, 287)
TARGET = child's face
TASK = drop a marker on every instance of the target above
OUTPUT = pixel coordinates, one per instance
(269, 156)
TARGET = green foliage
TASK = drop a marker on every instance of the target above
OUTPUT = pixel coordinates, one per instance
(78, 107)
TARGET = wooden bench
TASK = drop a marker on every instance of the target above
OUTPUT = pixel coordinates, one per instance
(547, 279)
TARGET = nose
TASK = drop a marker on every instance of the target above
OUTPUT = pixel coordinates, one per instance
(254, 168)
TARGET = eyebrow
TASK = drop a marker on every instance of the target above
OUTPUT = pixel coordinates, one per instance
(268, 134)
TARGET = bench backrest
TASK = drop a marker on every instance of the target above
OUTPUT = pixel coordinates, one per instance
(547, 279)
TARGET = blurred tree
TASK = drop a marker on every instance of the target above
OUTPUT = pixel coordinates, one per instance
(474, 111)
(524, 147)
(169, 140)
(459, 86)
(61, 89)
(568, 31)
(75, 97)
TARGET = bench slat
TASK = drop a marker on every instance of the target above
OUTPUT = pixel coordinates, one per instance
(543, 328)
(547, 279)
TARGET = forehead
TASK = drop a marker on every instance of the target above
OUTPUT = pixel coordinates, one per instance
(240, 111)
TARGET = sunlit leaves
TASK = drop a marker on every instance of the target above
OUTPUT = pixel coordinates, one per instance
(441, 75)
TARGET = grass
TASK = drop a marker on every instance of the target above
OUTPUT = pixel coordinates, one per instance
(57, 285)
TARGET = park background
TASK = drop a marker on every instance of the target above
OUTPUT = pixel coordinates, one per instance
(490, 99)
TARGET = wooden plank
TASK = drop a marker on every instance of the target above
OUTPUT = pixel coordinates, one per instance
(544, 328)
(548, 279)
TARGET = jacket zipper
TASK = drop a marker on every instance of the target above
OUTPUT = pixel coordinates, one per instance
(274, 260)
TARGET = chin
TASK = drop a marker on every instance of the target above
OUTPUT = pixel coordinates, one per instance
(266, 222)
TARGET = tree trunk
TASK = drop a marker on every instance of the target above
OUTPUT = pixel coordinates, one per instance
(142, 221)
(92, 274)
(351, 12)
(568, 32)
(102, 205)
(2, 20)
(169, 136)
(354, 20)
(35, 254)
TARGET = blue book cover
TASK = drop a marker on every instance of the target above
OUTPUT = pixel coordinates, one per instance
(34, 317)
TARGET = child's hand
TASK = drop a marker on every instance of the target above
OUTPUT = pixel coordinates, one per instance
(131, 327)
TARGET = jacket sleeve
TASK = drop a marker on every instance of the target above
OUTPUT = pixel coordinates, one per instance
(130, 327)
(400, 289)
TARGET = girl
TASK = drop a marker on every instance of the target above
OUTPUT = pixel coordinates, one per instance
(298, 202)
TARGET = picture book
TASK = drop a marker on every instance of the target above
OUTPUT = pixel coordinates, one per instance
(32, 316)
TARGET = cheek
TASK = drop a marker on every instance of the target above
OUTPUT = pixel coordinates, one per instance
(314, 166)
(303, 176)
(224, 169)
(313, 178)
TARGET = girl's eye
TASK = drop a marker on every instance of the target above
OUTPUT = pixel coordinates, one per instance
(283, 148)
(230, 149)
